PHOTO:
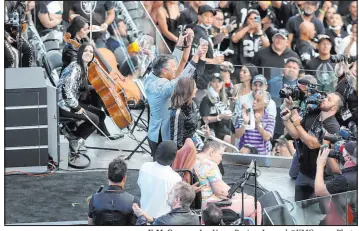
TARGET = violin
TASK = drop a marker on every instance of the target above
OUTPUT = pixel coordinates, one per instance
(105, 77)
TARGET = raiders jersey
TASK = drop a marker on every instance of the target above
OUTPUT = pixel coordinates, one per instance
(247, 47)
(305, 50)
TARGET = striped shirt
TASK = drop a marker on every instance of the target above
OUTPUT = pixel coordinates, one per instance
(254, 138)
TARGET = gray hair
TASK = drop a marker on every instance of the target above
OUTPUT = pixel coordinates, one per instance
(266, 96)
(212, 145)
(161, 62)
(185, 192)
(310, 78)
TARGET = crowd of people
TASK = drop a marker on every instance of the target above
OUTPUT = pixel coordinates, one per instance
(269, 77)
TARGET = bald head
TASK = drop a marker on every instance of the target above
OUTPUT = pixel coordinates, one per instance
(307, 30)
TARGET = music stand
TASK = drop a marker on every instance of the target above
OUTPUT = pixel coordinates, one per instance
(140, 119)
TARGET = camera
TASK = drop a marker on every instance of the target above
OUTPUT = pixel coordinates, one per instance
(337, 152)
(290, 91)
(313, 101)
(340, 58)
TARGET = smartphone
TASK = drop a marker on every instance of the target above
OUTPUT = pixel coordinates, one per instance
(248, 110)
(257, 19)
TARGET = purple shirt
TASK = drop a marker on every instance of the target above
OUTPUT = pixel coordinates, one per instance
(254, 138)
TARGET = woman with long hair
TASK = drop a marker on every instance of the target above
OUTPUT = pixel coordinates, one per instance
(183, 115)
(250, 38)
(167, 19)
(72, 86)
(214, 109)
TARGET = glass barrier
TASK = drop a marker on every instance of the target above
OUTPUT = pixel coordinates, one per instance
(336, 209)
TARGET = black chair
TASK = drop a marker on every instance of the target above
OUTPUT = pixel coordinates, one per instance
(52, 63)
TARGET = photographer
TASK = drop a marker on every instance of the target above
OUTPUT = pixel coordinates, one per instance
(346, 181)
(310, 132)
(348, 88)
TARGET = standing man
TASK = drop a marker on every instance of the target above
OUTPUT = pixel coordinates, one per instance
(103, 14)
(311, 130)
(304, 46)
(274, 55)
(201, 32)
(159, 86)
(308, 15)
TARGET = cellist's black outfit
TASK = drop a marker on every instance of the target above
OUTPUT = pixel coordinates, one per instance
(69, 54)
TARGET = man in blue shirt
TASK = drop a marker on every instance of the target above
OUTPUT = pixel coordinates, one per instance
(289, 77)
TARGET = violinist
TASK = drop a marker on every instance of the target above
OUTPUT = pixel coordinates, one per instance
(78, 29)
(72, 85)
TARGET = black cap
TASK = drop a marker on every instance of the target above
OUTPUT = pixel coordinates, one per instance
(217, 76)
(206, 8)
(271, 15)
(166, 153)
(294, 59)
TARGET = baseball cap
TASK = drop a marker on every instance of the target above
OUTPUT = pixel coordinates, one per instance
(271, 15)
(282, 32)
(206, 8)
(259, 78)
(323, 37)
(294, 59)
(217, 76)
(166, 152)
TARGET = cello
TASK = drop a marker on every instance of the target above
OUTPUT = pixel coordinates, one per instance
(103, 74)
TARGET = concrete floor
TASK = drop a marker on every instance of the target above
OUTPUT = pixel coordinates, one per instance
(271, 178)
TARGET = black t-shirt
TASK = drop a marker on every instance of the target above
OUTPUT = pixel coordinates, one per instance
(247, 47)
(351, 102)
(285, 11)
(323, 71)
(98, 16)
(187, 17)
(41, 8)
(314, 127)
(266, 57)
(113, 207)
(347, 181)
(207, 108)
(335, 38)
(240, 9)
(305, 50)
(294, 23)
(203, 78)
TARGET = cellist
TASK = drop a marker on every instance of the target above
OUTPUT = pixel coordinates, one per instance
(73, 83)
(79, 29)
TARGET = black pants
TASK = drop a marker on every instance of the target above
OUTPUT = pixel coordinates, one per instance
(303, 192)
(26, 52)
(153, 145)
(87, 128)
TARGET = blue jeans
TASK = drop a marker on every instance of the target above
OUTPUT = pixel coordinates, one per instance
(294, 168)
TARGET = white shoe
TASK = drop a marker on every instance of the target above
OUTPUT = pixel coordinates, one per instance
(81, 145)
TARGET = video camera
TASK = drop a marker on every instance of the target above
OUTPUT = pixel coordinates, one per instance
(339, 140)
(340, 58)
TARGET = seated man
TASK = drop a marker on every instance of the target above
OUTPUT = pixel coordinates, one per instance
(212, 215)
(156, 180)
(113, 206)
(179, 199)
(215, 189)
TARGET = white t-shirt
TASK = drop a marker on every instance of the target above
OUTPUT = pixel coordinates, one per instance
(155, 182)
(345, 42)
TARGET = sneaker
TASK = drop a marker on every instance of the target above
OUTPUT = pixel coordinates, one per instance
(74, 145)
(81, 146)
